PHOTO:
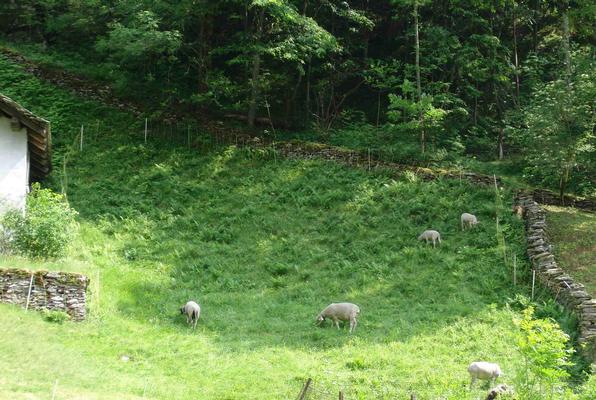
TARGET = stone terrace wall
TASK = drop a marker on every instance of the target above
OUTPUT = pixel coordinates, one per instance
(51, 290)
(306, 150)
(567, 292)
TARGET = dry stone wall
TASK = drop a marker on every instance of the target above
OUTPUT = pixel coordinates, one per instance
(60, 291)
(566, 291)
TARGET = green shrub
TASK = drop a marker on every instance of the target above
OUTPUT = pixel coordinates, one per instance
(543, 346)
(44, 230)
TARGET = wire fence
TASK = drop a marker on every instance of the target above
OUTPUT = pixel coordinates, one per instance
(313, 391)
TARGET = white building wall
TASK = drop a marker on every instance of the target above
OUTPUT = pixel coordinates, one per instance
(14, 166)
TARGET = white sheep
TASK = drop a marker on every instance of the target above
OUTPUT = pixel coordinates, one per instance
(340, 312)
(192, 311)
(484, 370)
(468, 221)
(430, 235)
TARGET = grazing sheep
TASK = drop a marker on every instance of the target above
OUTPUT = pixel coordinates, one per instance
(340, 312)
(483, 370)
(468, 221)
(192, 311)
(430, 235)
(498, 390)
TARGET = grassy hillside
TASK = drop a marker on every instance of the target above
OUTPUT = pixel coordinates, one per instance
(263, 244)
(573, 233)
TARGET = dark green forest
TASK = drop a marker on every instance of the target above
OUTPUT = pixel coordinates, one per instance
(495, 79)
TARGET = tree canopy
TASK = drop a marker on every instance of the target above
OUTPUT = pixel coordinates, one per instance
(473, 75)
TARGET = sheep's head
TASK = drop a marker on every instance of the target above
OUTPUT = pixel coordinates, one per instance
(181, 310)
(320, 319)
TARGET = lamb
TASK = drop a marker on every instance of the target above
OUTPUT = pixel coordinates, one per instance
(340, 312)
(192, 311)
(499, 390)
(468, 220)
(518, 210)
(430, 235)
(483, 370)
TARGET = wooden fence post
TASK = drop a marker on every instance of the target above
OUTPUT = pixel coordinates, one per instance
(533, 282)
(304, 390)
(82, 132)
(29, 293)
(514, 270)
(54, 389)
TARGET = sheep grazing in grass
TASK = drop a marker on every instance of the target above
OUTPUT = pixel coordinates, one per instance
(430, 235)
(192, 311)
(483, 370)
(340, 312)
(468, 221)
(518, 210)
(498, 390)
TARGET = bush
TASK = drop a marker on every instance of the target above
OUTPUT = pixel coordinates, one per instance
(55, 316)
(544, 346)
(44, 230)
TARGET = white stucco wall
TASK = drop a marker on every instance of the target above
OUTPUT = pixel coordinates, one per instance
(14, 166)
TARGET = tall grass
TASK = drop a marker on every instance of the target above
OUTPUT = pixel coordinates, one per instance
(263, 246)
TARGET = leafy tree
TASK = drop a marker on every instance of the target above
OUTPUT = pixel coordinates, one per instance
(558, 129)
(140, 44)
(383, 76)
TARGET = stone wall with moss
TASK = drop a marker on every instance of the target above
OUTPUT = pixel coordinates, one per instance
(368, 160)
(61, 291)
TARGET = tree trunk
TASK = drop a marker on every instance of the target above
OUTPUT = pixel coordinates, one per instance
(566, 44)
(562, 184)
(378, 107)
(256, 68)
(418, 84)
(416, 29)
(501, 140)
(254, 91)
(516, 59)
(307, 101)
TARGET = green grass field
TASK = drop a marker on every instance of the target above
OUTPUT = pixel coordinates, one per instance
(573, 234)
(263, 245)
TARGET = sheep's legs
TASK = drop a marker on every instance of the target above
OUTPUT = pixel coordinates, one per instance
(472, 382)
(336, 323)
(353, 324)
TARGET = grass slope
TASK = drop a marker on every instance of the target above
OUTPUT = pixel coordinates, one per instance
(263, 244)
(573, 233)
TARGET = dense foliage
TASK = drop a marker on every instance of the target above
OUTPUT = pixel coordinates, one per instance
(453, 75)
